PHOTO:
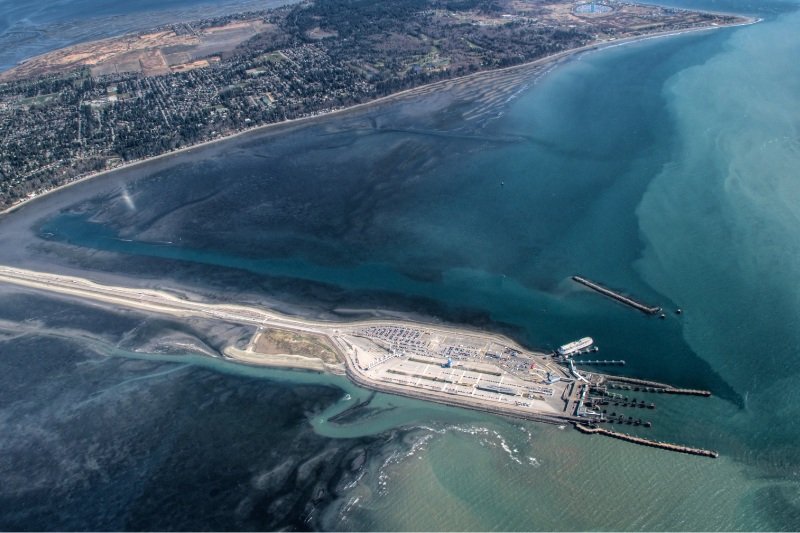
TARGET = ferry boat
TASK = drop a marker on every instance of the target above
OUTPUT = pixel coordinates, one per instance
(575, 346)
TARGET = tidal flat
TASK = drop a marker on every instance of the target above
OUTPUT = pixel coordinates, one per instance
(455, 207)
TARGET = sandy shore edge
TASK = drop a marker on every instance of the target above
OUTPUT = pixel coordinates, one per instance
(342, 335)
(288, 360)
(175, 304)
(599, 45)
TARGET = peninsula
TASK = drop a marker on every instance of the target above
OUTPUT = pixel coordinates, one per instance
(450, 365)
(73, 113)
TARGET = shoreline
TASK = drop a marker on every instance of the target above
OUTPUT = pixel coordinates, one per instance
(177, 305)
(343, 335)
(370, 360)
(554, 58)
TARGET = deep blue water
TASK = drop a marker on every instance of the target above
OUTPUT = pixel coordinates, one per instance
(667, 168)
(98, 443)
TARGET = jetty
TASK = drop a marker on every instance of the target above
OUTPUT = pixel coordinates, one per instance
(642, 385)
(646, 442)
(630, 302)
(689, 392)
(431, 362)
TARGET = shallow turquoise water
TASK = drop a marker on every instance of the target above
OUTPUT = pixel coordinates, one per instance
(721, 219)
(668, 168)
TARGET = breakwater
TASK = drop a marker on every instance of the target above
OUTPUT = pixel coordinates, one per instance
(690, 392)
(646, 309)
(646, 442)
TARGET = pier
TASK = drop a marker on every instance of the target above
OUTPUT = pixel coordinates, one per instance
(636, 381)
(483, 372)
(641, 385)
(646, 442)
(598, 362)
(630, 302)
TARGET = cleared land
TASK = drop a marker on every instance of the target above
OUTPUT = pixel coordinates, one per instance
(183, 47)
(284, 348)
(277, 341)
(149, 54)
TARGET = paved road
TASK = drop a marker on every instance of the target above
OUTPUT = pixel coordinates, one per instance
(174, 305)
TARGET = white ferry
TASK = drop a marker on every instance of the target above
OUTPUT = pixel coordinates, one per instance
(575, 346)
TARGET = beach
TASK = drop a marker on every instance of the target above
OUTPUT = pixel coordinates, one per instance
(483, 77)
(351, 358)
(659, 169)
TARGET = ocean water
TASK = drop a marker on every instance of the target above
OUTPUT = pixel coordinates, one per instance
(668, 168)
(97, 441)
(737, 158)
